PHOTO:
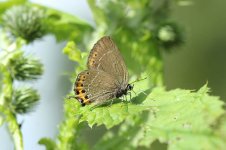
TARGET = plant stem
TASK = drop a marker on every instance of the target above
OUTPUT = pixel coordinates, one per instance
(15, 131)
(10, 117)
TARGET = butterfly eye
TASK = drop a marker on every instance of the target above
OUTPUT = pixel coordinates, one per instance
(129, 87)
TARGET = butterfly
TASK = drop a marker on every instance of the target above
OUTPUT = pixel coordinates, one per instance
(106, 77)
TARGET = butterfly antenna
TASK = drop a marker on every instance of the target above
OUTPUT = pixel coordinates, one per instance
(138, 80)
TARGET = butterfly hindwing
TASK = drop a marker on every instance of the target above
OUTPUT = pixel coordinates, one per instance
(95, 86)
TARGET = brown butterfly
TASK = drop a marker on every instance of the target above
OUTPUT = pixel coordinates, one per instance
(106, 77)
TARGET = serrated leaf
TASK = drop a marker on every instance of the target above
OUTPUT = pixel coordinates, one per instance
(72, 51)
(181, 118)
(75, 54)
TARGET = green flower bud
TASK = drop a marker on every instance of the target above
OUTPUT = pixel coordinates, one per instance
(24, 67)
(25, 22)
(166, 34)
(25, 99)
(169, 35)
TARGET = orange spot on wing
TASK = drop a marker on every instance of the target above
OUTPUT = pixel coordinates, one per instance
(87, 101)
(83, 98)
(95, 54)
(79, 84)
(79, 88)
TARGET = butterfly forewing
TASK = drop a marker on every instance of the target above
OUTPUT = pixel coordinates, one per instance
(95, 86)
(105, 56)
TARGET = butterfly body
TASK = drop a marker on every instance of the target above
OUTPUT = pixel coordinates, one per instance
(124, 91)
(106, 77)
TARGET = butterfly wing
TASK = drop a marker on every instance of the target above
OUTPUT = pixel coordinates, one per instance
(105, 56)
(95, 86)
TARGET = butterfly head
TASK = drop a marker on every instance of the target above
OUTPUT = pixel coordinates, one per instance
(122, 92)
(129, 87)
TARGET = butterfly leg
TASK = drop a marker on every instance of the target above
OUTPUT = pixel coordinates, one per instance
(130, 96)
(134, 92)
(124, 98)
(111, 102)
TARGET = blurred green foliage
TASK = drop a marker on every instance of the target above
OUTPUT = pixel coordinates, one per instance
(24, 21)
(181, 119)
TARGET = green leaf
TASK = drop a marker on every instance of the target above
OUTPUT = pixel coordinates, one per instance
(65, 26)
(181, 118)
(75, 54)
(72, 51)
(48, 143)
